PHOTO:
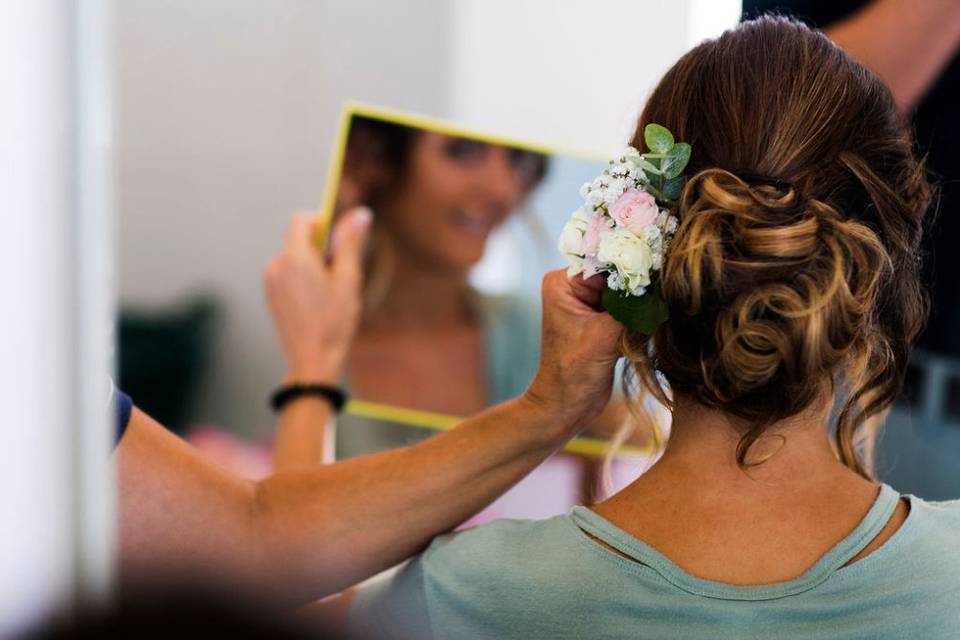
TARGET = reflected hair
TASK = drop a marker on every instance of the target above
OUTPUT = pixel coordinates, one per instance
(795, 271)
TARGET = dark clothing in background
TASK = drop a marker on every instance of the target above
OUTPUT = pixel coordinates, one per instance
(937, 130)
(123, 408)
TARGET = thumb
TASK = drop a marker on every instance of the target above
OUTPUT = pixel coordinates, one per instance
(588, 291)
(347, 243)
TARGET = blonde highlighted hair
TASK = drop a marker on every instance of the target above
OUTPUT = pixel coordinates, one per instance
(796, 265)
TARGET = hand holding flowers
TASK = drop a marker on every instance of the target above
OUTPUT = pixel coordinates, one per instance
(624, 228)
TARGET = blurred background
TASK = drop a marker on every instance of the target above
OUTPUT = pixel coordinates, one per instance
(226, 114)
(153, 151)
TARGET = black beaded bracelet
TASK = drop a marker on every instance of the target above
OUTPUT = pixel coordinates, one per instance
(334, 395)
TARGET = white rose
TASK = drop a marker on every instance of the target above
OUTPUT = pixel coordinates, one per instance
(630, 255)
(574, 265)
(581, 215)
(572, 237)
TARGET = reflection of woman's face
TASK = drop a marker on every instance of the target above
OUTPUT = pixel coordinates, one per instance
(451, 194)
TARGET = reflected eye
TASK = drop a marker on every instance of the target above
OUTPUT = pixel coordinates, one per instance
(526, 165)
(465, 150)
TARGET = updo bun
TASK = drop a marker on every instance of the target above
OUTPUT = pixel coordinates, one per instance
(795, 267)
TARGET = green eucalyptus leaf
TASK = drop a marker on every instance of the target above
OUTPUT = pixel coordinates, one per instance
(644, 313)
(649, 167)
(658, 139)
(673, 188)
(677, 159)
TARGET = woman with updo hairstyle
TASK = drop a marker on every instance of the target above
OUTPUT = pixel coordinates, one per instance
(794, 298)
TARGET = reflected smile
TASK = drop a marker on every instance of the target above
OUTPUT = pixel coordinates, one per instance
(473, 222)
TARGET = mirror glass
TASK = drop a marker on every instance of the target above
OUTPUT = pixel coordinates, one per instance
(464, 227)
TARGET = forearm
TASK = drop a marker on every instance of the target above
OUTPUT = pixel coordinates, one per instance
(333, 526)
(906, 43)
(303, 534)
(303, 430)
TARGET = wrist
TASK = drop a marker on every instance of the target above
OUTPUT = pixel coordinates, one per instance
(556, 424)
(570, 406)
(313, 373)
(332, 395)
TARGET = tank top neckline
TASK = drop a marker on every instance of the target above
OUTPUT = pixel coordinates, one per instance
(839, 555)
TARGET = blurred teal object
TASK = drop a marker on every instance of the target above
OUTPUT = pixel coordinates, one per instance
(919, 447)
(163, 356)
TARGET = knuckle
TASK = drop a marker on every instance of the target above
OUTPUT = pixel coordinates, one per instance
(552, 280)
(545, 281)
(270, 269)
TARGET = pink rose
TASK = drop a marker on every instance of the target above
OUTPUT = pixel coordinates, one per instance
(634, 210)
(591, 235)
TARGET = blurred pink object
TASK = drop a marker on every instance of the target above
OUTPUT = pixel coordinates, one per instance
(246, 458)
(554, 488)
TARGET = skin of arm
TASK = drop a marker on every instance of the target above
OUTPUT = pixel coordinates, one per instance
(906, 43)
(312, 530)
(302, 534)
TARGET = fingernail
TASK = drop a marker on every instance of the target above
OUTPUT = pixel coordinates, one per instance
(363, 217)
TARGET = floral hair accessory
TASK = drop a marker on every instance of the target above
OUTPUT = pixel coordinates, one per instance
(624, 228)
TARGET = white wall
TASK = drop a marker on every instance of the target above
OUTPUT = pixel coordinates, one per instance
(228, 107)
(571, 73)
(227, 114)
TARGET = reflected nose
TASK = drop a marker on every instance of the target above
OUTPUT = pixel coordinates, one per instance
(501, 188)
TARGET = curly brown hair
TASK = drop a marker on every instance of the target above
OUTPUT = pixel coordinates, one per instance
(796, 265)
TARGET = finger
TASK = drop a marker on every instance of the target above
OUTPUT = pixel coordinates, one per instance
(300, 232)
(587, 291)
(596, 281)
(349, 237)
(343, 227)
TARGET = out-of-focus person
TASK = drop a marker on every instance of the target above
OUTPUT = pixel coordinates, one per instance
(912, 45)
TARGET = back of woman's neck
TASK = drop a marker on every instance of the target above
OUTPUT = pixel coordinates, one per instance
(793, 460)
(767, 523)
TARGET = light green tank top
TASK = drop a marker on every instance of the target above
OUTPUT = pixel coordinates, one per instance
(548, 579)
(511, 326)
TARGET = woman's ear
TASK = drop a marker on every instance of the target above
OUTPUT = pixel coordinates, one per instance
(366, 170)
